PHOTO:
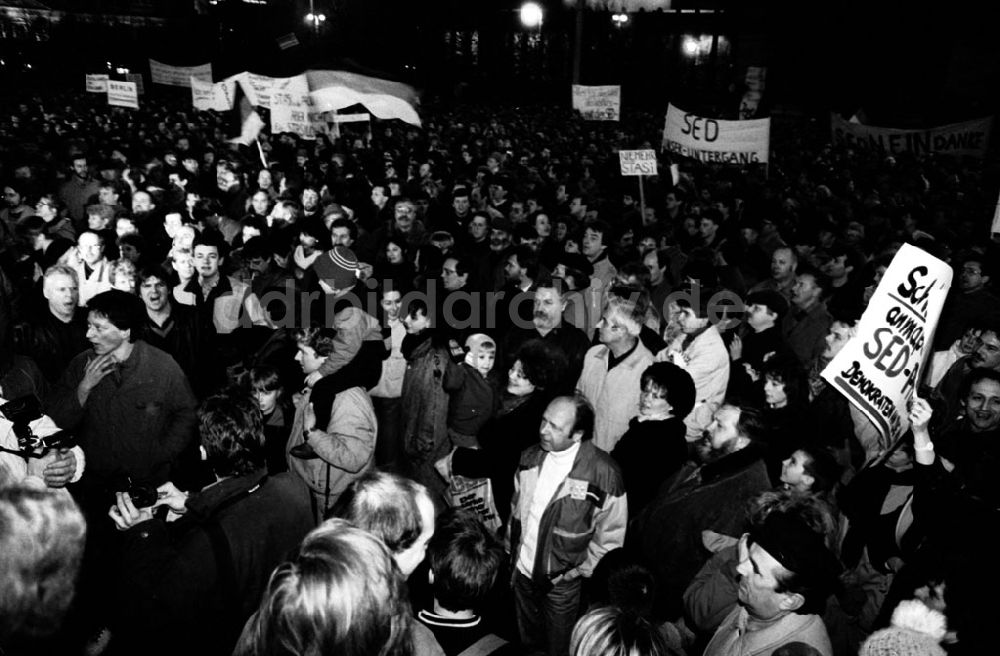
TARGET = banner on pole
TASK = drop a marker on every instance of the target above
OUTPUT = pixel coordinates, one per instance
(178, 76)
(219, 96)
(137, 78)
(97, 83)
(716, 140)
(292, 110)
(638, 162)
(966, 138)
(123, 94)
(880, 368)
(598, 103)
(755, 79)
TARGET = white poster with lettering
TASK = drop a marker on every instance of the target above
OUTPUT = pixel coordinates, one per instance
(880, 368)
(716, 140)
(598, 103)
(638, 162)
(123, 94)
(97, 83)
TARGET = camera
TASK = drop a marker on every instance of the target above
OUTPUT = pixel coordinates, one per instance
(21, 412)
(143, 496)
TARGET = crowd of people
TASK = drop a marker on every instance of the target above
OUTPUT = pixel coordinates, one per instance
(457, 390)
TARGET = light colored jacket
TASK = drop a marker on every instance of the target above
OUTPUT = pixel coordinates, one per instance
(14, 468)
(98, 281)
(707, 360)
(733, 639)
(346, 446)
(585, 519)
(614, 394)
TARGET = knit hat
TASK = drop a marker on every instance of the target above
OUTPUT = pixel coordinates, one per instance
(338, 267)
(772, 300)
(916, 631)
(478, 341)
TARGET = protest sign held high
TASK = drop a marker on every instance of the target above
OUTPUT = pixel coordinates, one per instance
(966, 138)
(638, 162)
(600, 103)
(880, 369)
(219, 96)
(123, 94)
(292, 109)
(97, 83)
(716, 140)
(178, 76)
(139, 84)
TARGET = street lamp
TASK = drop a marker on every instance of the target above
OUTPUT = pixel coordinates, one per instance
(531, 15)
(619, 19)
(315, 18)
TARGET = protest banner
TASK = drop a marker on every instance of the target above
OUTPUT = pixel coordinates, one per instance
(178, 76)
(880, 368)
(292, 109)
(361, 117)
(219, 96)
(966, 138)
(638, 162)
(598, 103)
(139, 84)
(716, 140)
(332, 91)
(97, 83)
(123, 94)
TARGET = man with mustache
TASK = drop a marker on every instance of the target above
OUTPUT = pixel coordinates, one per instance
(548, 325)
(700, 497)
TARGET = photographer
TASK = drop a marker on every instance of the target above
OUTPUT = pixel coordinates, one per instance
(38, 465)
(191, 584)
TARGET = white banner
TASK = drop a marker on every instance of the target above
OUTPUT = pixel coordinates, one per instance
(178, 76)
(123, 94)
(219, 96)
(362, 117)
(259, 88)
(292, 109)
(602, 103)
(638, 162)
(97, 83)
(716, 140)
(880, 369)
(967, 138)
(137, 78)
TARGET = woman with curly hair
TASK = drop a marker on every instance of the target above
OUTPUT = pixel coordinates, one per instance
(531, 383)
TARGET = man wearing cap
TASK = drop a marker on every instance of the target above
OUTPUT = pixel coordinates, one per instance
(358, 341)
(760, 342)
(405, 225)
(786, 574)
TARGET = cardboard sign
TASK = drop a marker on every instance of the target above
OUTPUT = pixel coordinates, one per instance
(137, 78)
(123, 94)
(97, 84)
(638, 162)
(292, 110)
(601, 103)
(879, 369)
(967, 138)
(178, 76)
(716, 140)
(219, 96)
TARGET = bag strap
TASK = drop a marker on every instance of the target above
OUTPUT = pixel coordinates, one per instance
(488, 644)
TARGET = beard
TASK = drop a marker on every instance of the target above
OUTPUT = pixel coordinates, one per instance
(706, 454)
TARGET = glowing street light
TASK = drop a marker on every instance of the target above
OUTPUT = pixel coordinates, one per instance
(619, 19)
(315, 18)
(531, 15)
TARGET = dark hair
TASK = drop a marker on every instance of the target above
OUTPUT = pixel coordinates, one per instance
(787, 371)
(750, 424)
(978, 375)
(822, 281)
(258, 246)
(319, 339)
(545, 364)
(264, 378)
(352, 227)
(153, 271)
(821, 463)
(527, 259)
(464, 558)
(597, 225)
(232, 433)
(385, 505)
(675, 382)
(125, 311)
(213, 239)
